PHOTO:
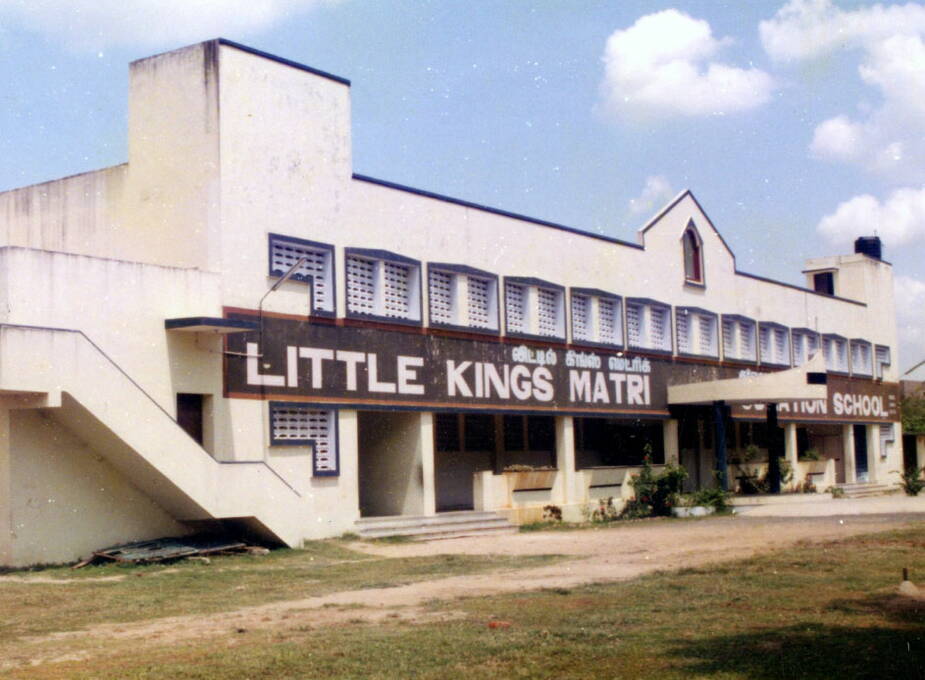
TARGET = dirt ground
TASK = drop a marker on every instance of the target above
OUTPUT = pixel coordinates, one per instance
(594, 555)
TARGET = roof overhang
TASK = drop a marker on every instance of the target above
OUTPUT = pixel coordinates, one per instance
(209, 324)
(804, 382)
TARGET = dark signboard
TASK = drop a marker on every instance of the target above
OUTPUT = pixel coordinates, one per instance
(326, 363)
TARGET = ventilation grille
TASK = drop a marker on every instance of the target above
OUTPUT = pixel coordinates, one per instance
(514, 308)
(580, 326)
(480, 303)
(548, 308)
(609, 326)
(396, 301)
(285, 254)
(361, 285)
(441, 297)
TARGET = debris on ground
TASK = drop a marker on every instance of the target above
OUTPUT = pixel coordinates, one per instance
(168, 549)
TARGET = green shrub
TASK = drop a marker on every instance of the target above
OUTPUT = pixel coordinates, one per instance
(712, 497)
(911, 480)
(810, 454)
(657, 493)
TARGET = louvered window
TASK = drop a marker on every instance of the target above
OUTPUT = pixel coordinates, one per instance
(886, 439)
(708, 339)
(610, 330)
(696, 332)
(805, 345)
(836, 353)
(361, 285)
(397, 291)
(648, 325)
(515, 307)
(304, 426)
(882, 358)
(774, 345)
(440, 291)
(549, 314)
(384, 287)
(738, 339)
(861, 359)
(635, 316)
(315, 264)
(581, 326)
(684, 334)
(481, 301)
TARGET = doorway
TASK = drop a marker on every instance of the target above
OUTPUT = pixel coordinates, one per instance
(860, 453)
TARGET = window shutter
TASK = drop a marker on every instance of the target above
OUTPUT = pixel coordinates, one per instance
(764, 340)
(708, 338)
(548, 312)
(361, 285)
(883, 357)
(730, 351)
(799, 341)
(634, 324)
(659, 324)
(609, 329)
(580, 330)
(781, 348)
(683, 329)
(396, 300)
(514, 310)
(440, 290)
(480, 303)
(747, 340)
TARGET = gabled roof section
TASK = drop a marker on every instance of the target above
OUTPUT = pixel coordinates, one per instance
(641, 235)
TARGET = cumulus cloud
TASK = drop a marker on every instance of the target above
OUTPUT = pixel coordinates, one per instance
(662, 66)
(804, 29)
(909, 294)
(899, 220)
(103, 24)
(890, 138)
(655, 194)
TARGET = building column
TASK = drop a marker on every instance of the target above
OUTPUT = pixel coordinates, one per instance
(851, 470)
(872, 432)
(791, 451)
(920, 450)
(565, 458)
(670, 440)
(719, 443)
(426, 447)
(6, 491)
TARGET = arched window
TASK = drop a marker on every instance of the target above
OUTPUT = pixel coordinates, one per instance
(693, 258)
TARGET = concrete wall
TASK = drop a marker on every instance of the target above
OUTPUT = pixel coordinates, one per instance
(67, 500)
(390, 464)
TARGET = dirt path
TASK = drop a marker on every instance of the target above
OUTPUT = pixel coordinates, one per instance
(608, 554)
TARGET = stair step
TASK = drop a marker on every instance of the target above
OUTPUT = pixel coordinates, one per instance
(444, 525)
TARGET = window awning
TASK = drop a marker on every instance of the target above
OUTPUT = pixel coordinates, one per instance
(209, 324)
(804, 382)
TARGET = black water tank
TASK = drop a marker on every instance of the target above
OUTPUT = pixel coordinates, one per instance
(869, 245)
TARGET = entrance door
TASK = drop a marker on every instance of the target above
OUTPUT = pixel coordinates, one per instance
(860, 452)
(189, 415)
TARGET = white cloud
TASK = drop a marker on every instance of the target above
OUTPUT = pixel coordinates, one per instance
(655, 194)
(103, 24)
(660, 66)
(890, 138)
(804, 29)
(898, 220)
(909, 294)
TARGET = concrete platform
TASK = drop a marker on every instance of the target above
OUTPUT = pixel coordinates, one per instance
(823, 505)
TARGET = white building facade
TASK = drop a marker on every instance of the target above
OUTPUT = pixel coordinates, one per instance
(233, 328)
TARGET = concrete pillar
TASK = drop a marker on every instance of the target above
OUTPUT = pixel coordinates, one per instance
(791, 452)
(847, 435)
(565, 458)
(426, 446)
(872, 432)
(670, 440)
(6, 491)
(348, 449)
(920, 450)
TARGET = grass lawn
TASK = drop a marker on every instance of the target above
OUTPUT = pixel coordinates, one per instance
(820, 611)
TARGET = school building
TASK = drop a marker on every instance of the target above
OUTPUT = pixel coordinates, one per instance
(235, 330)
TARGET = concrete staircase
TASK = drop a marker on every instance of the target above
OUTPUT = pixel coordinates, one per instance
(867, 489)
(431, 527)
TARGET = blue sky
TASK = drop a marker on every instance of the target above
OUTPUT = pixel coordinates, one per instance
(798, 125)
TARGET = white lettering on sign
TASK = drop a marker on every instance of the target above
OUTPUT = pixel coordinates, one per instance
(598, 387)
(485, 380)
(858, 405)
(634, 365)
(254, 376)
